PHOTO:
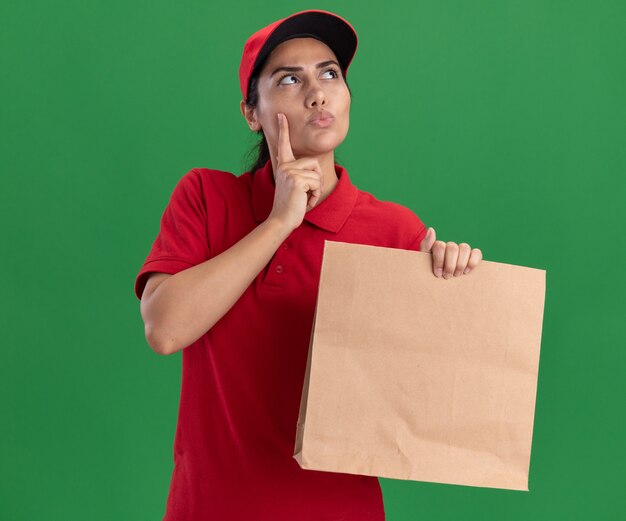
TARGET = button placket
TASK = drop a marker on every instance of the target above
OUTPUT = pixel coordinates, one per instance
(279, 265)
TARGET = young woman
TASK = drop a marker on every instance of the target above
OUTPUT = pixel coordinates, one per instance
(232, 279)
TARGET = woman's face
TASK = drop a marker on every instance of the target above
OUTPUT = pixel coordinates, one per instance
(299, 94)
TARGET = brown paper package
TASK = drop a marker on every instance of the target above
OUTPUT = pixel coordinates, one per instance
(415, 377)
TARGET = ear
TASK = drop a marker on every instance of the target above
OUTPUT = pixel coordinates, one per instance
(250, 115)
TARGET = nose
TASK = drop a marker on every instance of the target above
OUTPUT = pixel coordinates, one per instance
(316, 96)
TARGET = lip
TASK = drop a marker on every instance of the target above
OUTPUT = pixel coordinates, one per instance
(322, 119)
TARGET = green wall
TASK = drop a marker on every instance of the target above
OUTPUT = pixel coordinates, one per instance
(500, 123)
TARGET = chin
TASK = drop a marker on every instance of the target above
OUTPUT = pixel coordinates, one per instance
(323, 145)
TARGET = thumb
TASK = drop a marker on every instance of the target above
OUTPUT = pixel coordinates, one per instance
(427, 242)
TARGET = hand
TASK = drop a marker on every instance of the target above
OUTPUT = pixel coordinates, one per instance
(299, 182)
(450, 259)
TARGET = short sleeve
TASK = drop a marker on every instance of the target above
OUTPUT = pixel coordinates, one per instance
(182, 241)
(415, 245)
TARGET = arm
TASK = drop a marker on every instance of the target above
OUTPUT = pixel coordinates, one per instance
(182, 307)
(178, 309)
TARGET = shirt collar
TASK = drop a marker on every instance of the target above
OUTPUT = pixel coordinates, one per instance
(330, 214)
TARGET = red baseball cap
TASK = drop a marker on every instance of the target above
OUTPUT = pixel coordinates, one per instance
(328, 27)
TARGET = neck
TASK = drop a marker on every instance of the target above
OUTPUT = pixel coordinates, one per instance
(327, 163)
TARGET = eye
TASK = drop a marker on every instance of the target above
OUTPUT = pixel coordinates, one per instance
(333, 70)
(280, 81)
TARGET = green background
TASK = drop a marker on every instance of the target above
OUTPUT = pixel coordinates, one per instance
(500, 123)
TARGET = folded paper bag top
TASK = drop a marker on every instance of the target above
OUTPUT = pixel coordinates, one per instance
(410, 376)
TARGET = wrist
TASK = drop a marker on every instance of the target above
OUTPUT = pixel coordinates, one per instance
(278, 226)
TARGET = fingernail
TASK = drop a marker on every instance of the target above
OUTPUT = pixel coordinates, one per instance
(457, 273)
(466, 271)
(438, 272)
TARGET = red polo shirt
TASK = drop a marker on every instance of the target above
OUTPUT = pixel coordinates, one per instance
(242, 380)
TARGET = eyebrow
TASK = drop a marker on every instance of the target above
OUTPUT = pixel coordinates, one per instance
(295, 69)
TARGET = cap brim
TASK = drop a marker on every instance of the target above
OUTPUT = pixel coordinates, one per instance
(330, 29)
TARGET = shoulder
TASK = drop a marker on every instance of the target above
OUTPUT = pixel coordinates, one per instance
(388, 212)
(201, 177)
(209, 184)
(384, 223)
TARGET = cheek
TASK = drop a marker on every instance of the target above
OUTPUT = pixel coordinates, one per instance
(346, 113)
(267, 109)
(345, 105)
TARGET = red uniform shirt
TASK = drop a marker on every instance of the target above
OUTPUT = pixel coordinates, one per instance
(242, 380)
